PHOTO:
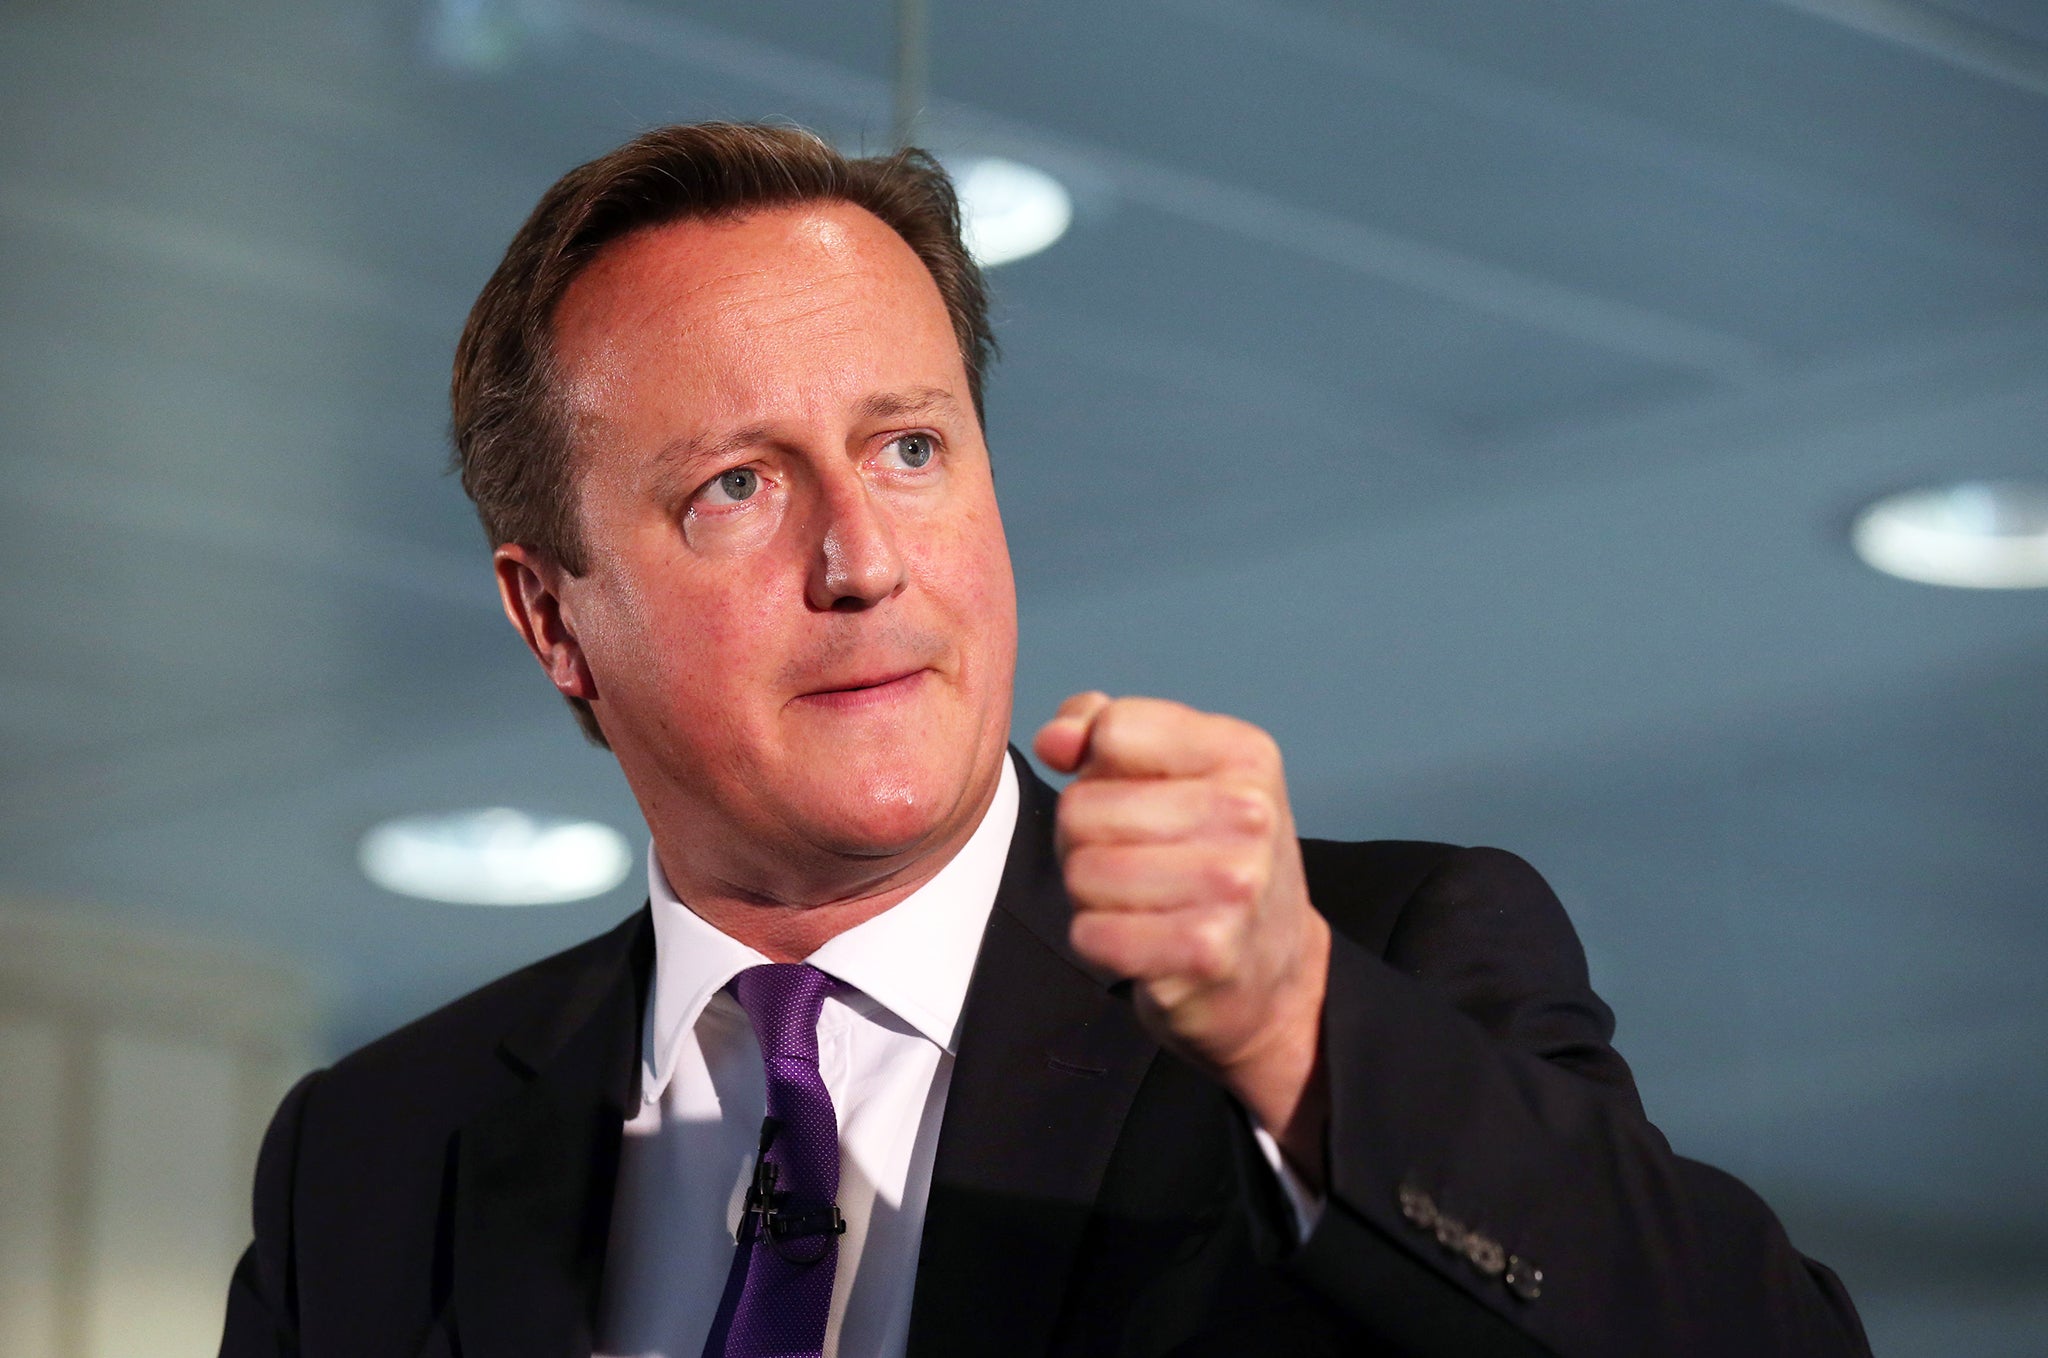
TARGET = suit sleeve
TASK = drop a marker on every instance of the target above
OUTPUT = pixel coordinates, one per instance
(262, 1311)
(1484, 1127)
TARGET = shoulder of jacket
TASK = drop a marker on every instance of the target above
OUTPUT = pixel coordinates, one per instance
(1361, 886)
(455, 1047)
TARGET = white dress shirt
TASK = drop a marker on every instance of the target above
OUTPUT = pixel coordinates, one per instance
(885, 1050)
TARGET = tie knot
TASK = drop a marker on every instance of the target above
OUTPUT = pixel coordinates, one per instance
(782, 1000)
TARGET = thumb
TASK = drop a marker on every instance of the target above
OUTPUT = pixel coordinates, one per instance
(1063, 742)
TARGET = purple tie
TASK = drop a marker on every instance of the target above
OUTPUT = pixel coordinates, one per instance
(779, 1291)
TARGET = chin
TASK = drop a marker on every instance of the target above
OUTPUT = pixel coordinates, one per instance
(885, 805)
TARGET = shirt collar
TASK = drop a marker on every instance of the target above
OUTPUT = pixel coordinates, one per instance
(915, 958)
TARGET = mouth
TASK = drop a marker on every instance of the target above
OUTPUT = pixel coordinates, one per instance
(867, 691)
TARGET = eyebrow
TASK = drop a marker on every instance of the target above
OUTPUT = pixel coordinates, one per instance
(893, 405)
(682, 455)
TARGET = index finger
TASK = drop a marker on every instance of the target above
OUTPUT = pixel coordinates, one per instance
(1159, 738)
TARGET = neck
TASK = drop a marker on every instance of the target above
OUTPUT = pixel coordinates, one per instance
(790, 932)
(787, 913)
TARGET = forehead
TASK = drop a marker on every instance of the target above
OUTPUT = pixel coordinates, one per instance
(733, 311)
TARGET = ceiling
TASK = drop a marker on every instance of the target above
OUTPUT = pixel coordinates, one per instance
(1474, 395)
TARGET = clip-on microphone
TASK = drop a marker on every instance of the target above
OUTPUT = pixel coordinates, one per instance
(778, 1221)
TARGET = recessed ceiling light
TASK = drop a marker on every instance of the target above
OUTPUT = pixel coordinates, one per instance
(495, 856)
(481, 37)
(1973, 535)
(1008, 210)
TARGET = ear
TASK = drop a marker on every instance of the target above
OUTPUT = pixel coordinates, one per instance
(530, 586)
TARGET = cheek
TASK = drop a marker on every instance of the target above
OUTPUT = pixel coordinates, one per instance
(716, 645)
(969, 566)
(989, 552)
(686, 651)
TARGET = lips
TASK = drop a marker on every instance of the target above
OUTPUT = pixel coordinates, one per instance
(868, 682)
(866, 691)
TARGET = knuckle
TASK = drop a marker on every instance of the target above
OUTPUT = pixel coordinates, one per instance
(1211, 949)
(1253, 745)
(1249, 810)
(1169, 993)
(1234, 880)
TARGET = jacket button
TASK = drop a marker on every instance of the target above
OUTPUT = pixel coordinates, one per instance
(1450, 1233)
(1524, 1279)
(1486, 1254)
(1417, 1206)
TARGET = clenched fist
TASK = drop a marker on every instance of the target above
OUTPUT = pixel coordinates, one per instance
(1179, 855)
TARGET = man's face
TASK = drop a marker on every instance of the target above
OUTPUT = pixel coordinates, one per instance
(797, 612)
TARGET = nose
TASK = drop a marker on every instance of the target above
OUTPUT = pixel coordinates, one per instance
(856, 564)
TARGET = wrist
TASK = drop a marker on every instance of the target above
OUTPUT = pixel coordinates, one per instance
(1282, 1083)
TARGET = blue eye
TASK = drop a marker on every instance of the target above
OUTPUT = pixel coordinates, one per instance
(738, 484)
(915, 449)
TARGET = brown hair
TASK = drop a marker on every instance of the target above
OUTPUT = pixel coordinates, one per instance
(511, 438)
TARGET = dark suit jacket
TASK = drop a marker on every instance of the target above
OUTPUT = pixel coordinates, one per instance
(446, 1190)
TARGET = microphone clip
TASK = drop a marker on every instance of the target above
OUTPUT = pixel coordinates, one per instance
(768, 1211)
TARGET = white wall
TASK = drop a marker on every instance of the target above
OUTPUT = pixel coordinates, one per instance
(136, 1076)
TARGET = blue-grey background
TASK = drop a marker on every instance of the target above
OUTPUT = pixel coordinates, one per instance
(1476, 395)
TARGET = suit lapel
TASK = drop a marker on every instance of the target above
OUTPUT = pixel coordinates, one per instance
(1049, 1062)
(1050, 1059)
(534, 1173)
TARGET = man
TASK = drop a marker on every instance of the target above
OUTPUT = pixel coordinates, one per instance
(908, 1053)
